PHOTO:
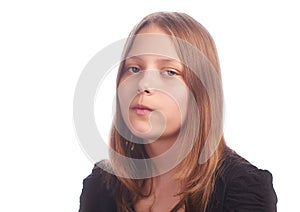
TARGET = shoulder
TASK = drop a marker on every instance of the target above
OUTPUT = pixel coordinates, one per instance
(97, 194)
(242, 186)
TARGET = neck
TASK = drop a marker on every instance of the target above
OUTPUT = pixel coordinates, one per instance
(164, 180)
(165, 154)
(159, 146)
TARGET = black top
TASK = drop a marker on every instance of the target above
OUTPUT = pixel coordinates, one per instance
(240, 186)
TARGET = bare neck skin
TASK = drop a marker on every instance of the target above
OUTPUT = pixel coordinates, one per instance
(165, 188)
(160, 146)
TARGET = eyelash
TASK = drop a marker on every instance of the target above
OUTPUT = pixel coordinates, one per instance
(170, 72)
(174, 73)
(133, 67)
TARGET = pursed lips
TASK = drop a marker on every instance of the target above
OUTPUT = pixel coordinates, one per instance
(141, 109)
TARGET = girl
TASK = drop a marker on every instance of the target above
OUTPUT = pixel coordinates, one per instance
(167, 147)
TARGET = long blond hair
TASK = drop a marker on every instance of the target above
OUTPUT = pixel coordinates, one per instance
(197, 179)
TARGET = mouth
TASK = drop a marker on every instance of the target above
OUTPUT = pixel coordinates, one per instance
(141, 109)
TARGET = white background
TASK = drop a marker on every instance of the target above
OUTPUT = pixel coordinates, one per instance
(45, 45)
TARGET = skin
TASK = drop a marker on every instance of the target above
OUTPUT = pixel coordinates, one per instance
(153, 98)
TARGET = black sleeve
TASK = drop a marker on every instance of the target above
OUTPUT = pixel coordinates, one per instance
(95, 197)
(249, 191)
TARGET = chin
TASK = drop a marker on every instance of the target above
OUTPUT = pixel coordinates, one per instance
(146, 135)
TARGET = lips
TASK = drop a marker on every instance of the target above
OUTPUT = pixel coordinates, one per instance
(141, 109)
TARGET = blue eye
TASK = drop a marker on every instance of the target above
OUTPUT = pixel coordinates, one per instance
(170, 73)
(134, 69)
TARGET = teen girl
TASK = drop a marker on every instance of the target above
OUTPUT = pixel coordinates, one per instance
(168, 150)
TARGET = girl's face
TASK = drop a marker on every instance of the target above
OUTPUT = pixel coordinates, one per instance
(152, 93)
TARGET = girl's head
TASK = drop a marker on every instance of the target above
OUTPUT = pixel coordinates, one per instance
(152, 93)
(169, 87)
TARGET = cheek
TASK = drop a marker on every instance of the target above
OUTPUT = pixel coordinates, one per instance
(177, 105)
(127, 91)
(124, 103)
(181, 96)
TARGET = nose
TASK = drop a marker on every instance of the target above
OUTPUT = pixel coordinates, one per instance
(147, 82)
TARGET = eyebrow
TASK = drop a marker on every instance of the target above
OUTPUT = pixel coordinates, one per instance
(170, 60)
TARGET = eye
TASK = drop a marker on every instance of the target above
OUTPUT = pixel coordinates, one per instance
(134, 69)
(170, 73)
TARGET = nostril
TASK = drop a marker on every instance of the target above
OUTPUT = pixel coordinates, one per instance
(147, 91)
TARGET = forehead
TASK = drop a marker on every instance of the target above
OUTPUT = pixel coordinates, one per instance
(153, 44)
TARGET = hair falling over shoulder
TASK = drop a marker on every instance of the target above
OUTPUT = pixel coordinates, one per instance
(197, 179)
